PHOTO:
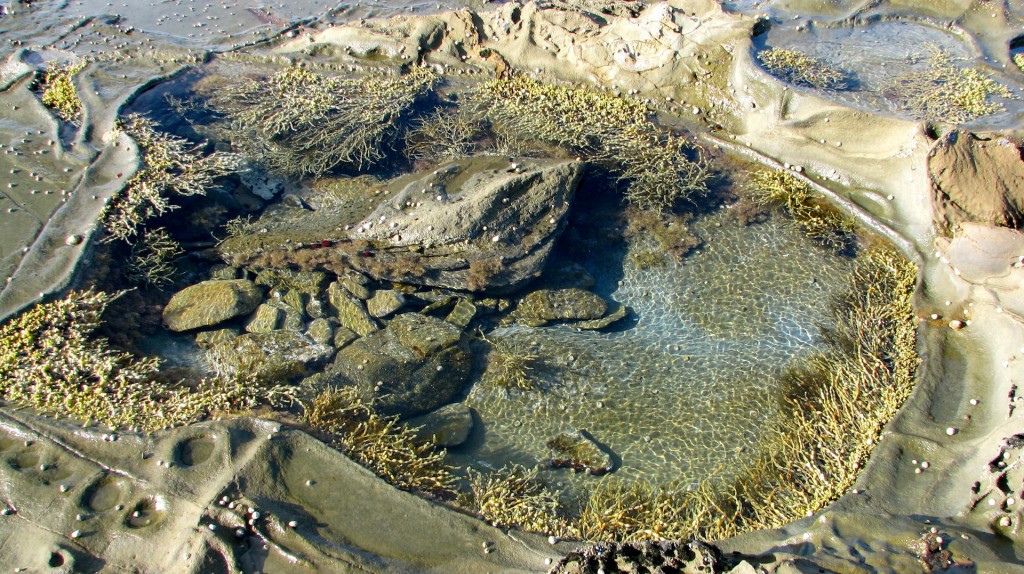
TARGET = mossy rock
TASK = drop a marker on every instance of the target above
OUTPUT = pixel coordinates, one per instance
(321, 331)
(310, 282)
(561, 305)
(413, 366)
(620, 313)
(357, 287)
(384, 303)
(462, 314)
(274, 357)
(207, 339)
(266, 318)
(211, 302)
(351, 311)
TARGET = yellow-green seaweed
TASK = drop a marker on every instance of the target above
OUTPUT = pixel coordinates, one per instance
(379, 442)
(513, 496)
(799, 68)
(171, 166)
(601, 127)
(299, 122)
(59, 92)
(946, 92)
(51, 361)
(820, 222)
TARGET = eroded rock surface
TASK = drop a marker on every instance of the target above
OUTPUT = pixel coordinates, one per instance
(482, 224)
(977, 178)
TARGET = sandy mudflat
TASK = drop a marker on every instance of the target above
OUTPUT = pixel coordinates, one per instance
(80, 501)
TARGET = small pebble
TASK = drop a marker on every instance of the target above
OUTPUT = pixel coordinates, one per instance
(552, 540)
(293, 524)
(952, 431)
(76, 534)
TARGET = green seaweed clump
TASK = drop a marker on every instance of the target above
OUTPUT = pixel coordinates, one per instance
(302, 123)
(820, 222)
(946, 92)
(514, 497)
(152, 259)
(799, 68)
(1018, 60)
(638, 511)
(446, 135)
(59, 92)
(648, 259)
(379, 443)
(50, 361)
(509, 365)
(604, 128)
(171, 166)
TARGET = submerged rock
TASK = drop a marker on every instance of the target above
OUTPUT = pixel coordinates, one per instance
(207, 339)
(321, 331)
(266, 318)
(211, 302)
(561, 305)
(620, 313)
(579, 451)
(384, 303)
(351, 311)
(462, 314)
(413, 366)
(274, 357)
(449, 425)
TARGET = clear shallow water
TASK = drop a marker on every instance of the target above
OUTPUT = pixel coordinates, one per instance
(875, 55)
(685, 392)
